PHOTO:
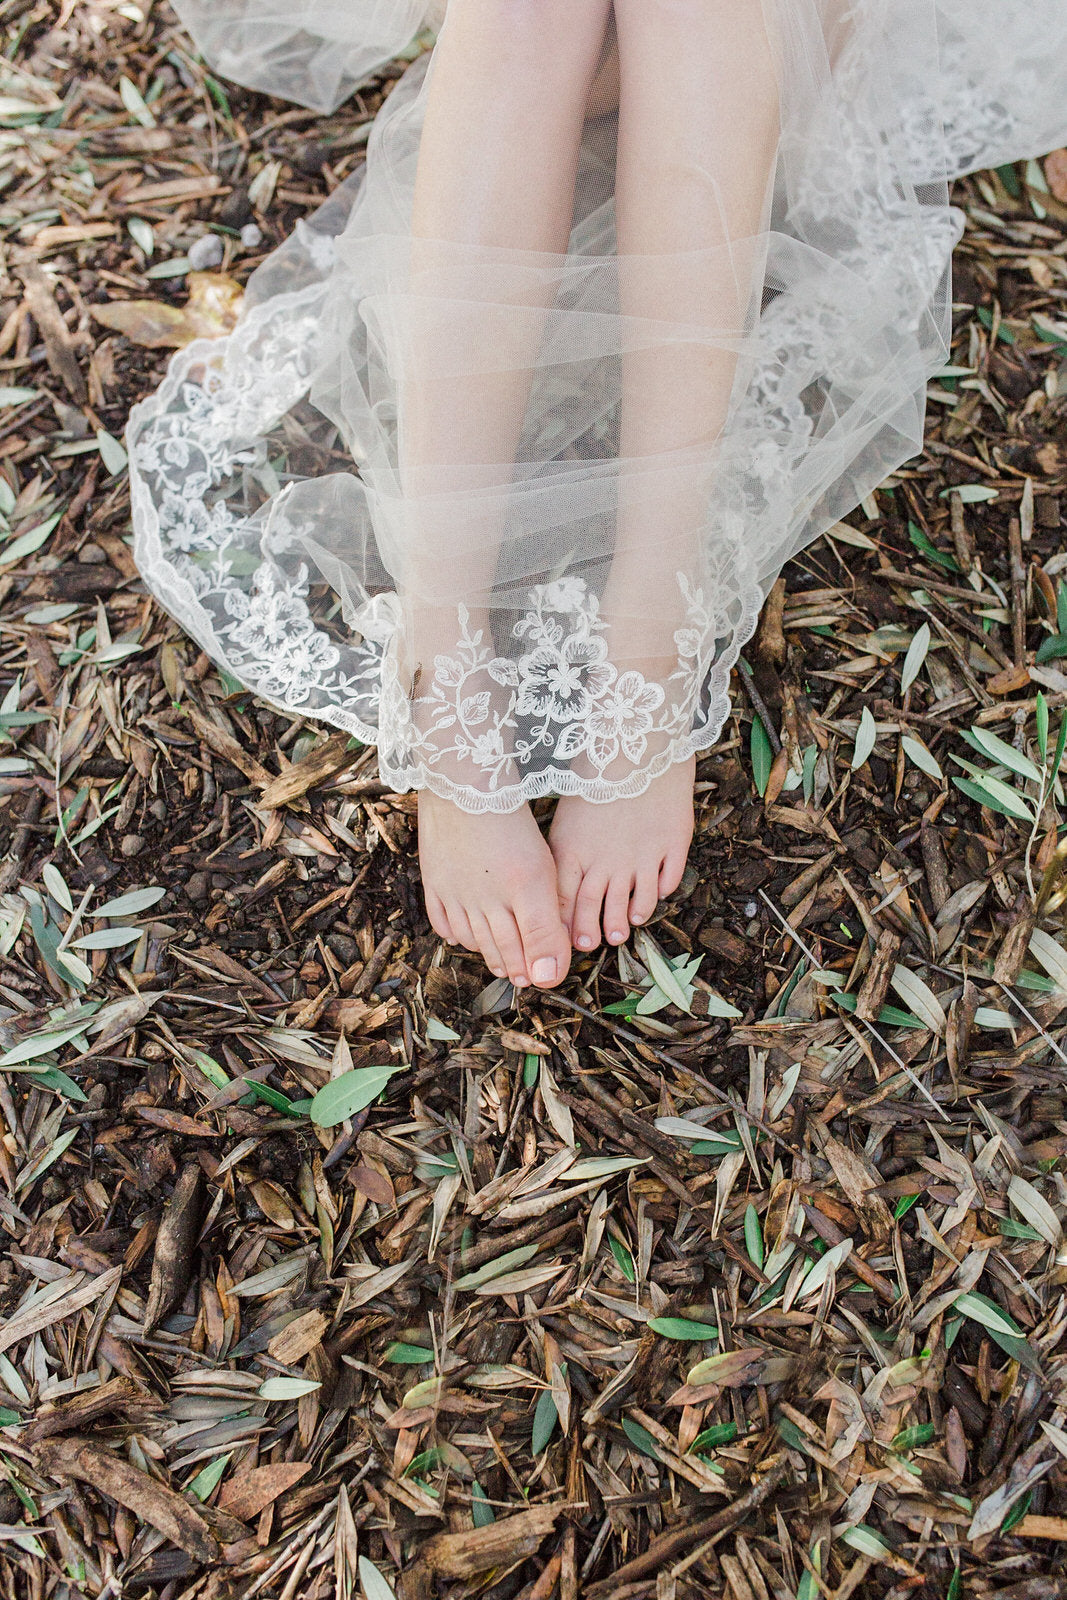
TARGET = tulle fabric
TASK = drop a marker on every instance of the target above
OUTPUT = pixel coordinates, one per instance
(466, 612)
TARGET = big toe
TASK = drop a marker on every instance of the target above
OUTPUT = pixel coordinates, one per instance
(546, 946)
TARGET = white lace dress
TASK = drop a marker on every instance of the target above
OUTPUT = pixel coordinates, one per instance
(459, 619)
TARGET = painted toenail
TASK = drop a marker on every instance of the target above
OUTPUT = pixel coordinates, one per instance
(584, 942)
(544, 971)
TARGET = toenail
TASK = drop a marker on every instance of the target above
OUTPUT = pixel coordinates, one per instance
(617, 938)
(637, 921)
(544, 971)
(584, 942)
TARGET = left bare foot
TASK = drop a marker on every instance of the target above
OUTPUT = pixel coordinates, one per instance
(615, 862)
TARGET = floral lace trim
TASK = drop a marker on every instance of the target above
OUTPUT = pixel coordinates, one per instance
(240, 585)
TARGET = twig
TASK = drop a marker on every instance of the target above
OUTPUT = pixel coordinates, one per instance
(758, 704)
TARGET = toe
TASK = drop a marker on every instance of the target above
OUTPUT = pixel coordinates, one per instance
(671, 872)
(487, 946)
(569, 873)
(438, 920)
(586, 926)
(616, 910)
(505, 931)
(645, 898)
(545, 946)
(461, 927)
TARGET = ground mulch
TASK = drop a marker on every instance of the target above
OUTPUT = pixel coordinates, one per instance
(735, 1269)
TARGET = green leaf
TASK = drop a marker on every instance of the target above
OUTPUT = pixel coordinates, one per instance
(921, 756)
(663, 974)
(1017, 1512)
(682, 1328)
(865, 1541)
(134, 102)
(640, 1438)
(917, 651)
(1003, 799)
(142, 235)
(922, 543)
(544, 1423)
(754, 1236)
(111, 452)
(762, 754)
(624, 1259)
(436, 1029)
(1048, 650)
(531, 1070)
(889, 1016)
(374, 1585)
(1005, 754)
(866, 735)
(955, 1585)
(913, 1438)
(408, 1355)
(971, 494)
(1061, 745)
(28, 542)
(904, 1205)
(208, 1477)
(1041, 717)
(711, 1438)
(52, 1078)
(791, 1434)
(39, 1044)
(132, 904)
(287, 1388)
(1010, 1229)
(482, 1512)
(987, 1314)
(40, 1165)
(343, 1097)
(510, 1261)
(108, 939)
(56, 885)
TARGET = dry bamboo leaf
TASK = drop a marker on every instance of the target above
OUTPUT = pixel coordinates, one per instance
(212, 310)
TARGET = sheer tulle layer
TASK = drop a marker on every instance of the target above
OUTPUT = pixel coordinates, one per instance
(400, 496)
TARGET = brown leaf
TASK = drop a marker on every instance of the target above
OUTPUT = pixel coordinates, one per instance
(246, 1496)
(325, 761)
(128, 1486)
(117, 1395)
(298, 1338)
(465, 1555)
(212, 309)
(61, 346)
(172, 1261)
(1056, 173)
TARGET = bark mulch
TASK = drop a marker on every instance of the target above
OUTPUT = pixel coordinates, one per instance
(737, 1268)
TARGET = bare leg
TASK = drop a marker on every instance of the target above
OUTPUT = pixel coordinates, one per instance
(698, 128)
(497, 167)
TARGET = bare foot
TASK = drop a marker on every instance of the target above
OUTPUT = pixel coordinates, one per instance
(617, 861)
(490, 884)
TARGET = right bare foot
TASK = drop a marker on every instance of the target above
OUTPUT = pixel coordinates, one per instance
(490, 884)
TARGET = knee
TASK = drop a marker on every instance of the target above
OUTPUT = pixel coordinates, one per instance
(542, 28)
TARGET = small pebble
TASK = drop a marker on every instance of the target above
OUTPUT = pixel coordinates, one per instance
(91, 555)
(205, 252)
(132, 845)
(251, 236)
(198, 887)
